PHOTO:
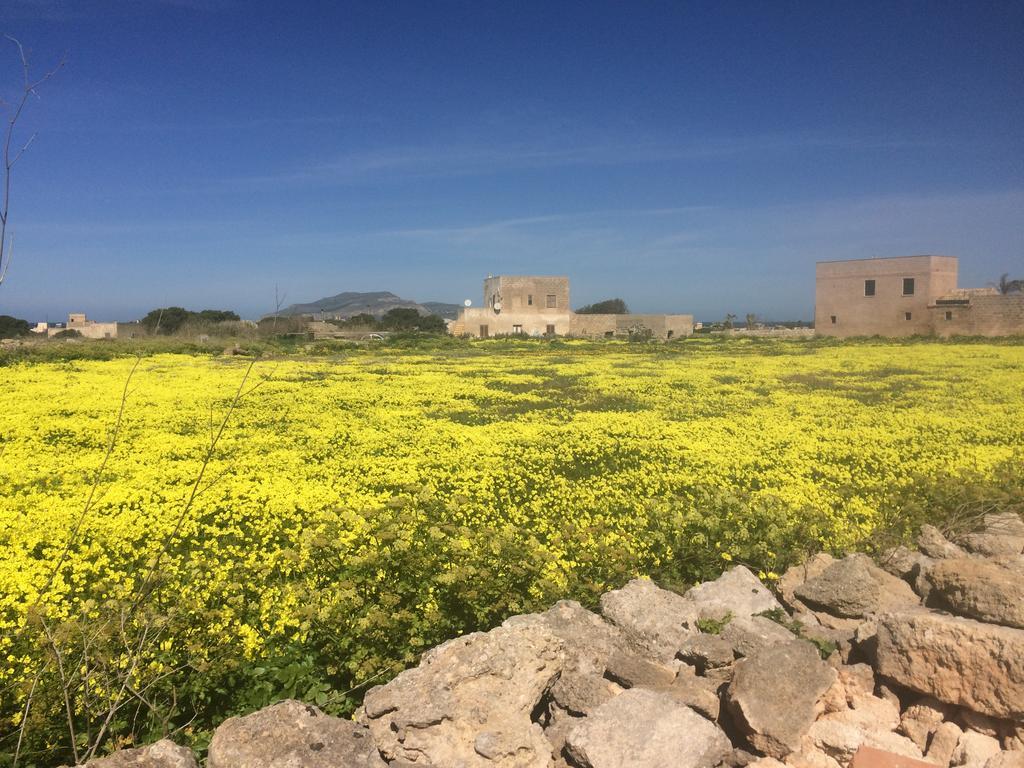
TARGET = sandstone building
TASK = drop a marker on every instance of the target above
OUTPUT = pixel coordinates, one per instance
(908, 295)
(77, 321)
(539, 306)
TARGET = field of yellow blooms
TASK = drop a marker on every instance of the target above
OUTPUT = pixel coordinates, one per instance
(363, 505)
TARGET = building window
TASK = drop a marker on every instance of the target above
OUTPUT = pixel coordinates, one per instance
(833, 319)
(483, 332)
(552, 301)
(869, 287)
(517, 329)
(668, 335)
(550, 331)
(908, 286)
(949, 315)
(529, 299)
(609, 334)
(907, 315)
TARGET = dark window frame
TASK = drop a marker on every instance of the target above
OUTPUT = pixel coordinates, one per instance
(552, 301)
(869, 287)
(909, 282)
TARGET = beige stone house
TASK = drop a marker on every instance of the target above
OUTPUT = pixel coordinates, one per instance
(533, 305)
(77, 321)
(908, 295)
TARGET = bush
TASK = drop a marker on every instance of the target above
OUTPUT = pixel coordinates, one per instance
(606, 307)
(12, 327)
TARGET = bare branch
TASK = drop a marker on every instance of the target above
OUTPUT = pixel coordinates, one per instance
(29, 87)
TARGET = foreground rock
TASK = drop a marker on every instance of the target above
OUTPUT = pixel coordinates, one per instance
(646, 729)
(774, 693)
(980, 589)
(162, 754)
(854, 587)
(956, 660)
(470, 701)
(292, 735)
(737, 591)
(653, 619)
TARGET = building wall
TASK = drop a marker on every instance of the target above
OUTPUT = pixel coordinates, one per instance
(527, 294)
(840, 294)
(505, 322)
(985, 315)
(77, 321)
(518, 304)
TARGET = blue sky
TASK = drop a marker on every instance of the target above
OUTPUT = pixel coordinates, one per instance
(692, 157)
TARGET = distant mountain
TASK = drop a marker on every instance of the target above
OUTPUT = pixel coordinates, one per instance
(447, 311)
(349, 303)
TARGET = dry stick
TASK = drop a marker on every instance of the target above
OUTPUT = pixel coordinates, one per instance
(144, 589)
(24, 715)
(64, 685)
(28, 89)
(74, 535)
(95, 484)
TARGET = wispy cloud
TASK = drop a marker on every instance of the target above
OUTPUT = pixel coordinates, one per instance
(406, 162)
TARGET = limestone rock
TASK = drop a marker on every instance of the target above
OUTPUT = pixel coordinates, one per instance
(737, 591)
(698, 693)
(654, 619)
(975, 749)
(291, 734)
(841, 740)
(799, 574)
(581, 693)
(931, 541)
(162, 754)
(855, 587)
(956, 660)
(706, 651)
(904, 563)
(974, 721)
(992, 544)
(1006, 760)
(646, 729)
(748, 634)
(588, 639)
(811, 757)
(773, 695)
(472, 694)
(943, 743)
(631, 671)
(921, 719)
(1004, 523)
(980, 589)
(859, 679)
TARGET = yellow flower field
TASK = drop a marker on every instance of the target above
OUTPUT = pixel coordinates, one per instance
(362, 506)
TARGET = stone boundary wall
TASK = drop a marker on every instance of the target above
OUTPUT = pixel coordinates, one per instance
(915, 661)
(986, 315)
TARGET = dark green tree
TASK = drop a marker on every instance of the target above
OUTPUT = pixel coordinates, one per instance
(169, 320)
(606, 307)
(12, 327)
(1006, 285)
(409, 319)
(217, 315)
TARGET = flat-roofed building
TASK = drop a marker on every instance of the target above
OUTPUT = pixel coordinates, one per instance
(908, 295)
(882, 296)
(535, 305)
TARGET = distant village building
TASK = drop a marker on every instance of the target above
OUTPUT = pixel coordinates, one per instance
(539, 306)
(77, 321)
(908, 295)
